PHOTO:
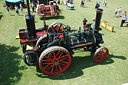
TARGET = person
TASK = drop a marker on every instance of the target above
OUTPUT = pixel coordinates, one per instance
(124, 18)
(58, 1)
(116, 12)
(38, 2)
(52, 8)
(106, 2)
(71, 1)
(7, 8)
(32, 5)
(82, 4)
(16, 8)
(97, 5)
(66, 4)
(103, 2)
(120, 11)
(21, 7)
(68, 1)
(94, 20)
(84, 22)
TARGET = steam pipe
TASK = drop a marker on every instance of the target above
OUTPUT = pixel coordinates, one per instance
(98, 19)
(30, 22)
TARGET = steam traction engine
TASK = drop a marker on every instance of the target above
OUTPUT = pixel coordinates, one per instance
(51, 49)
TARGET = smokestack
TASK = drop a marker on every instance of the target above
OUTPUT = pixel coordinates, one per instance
(30, 23)
(98, 19)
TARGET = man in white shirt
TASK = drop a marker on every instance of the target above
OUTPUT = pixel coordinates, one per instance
(105, 2)
(120, 11)
(124, 18)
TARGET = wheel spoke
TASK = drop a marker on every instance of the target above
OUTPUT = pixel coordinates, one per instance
(49, 58)
(100, 53)
(61, 63)
(63, 56)
(52, 68)
(64, 62)
(103, 53)
(63, 59)
(98, 56)
(60, 27)
(59, 67)
(54, 54)
(60, 55)
(47, 65)
(56, 67)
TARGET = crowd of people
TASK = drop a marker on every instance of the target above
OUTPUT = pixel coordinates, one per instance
(16, 9)
(118, 11)
(105, 2)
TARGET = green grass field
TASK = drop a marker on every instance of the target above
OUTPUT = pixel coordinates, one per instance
(83, 70)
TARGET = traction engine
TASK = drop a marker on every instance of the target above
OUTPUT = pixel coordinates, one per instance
(51, 49)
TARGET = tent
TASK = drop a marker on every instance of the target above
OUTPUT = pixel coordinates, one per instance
(12, 3)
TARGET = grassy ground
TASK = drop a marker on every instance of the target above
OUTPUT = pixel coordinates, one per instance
(83, 70)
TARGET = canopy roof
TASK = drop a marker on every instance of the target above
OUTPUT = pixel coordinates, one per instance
(13, 1)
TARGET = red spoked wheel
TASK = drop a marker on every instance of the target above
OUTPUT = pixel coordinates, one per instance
(101, 54)
(54, 60)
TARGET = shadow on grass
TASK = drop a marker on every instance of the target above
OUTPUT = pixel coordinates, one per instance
(79, 63)
(53, 17)
(71, 9)
(1, 16)
(9, 65)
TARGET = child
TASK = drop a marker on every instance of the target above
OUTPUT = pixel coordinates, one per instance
(66, 4)
(16, 8)
(8, 10)
(21, 7)
(120, 11)
(105, 2)
(116, 12)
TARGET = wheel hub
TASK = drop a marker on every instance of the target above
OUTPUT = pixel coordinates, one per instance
(56, 62)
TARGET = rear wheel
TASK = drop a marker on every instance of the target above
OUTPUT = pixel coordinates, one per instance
(101, 54)
(54, 60)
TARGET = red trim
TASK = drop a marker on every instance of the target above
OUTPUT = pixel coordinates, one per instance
(41, 33)
(24, 40)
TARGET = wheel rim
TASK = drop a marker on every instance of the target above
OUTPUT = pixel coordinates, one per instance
(101, 55)
(55, 62)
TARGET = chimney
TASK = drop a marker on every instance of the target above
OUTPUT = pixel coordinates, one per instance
(98, 19)
(30, 22)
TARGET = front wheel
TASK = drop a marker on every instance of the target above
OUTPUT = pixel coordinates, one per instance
(54, 60)
(101, 54)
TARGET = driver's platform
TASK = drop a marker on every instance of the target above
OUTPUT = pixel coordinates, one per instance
(23, 35)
